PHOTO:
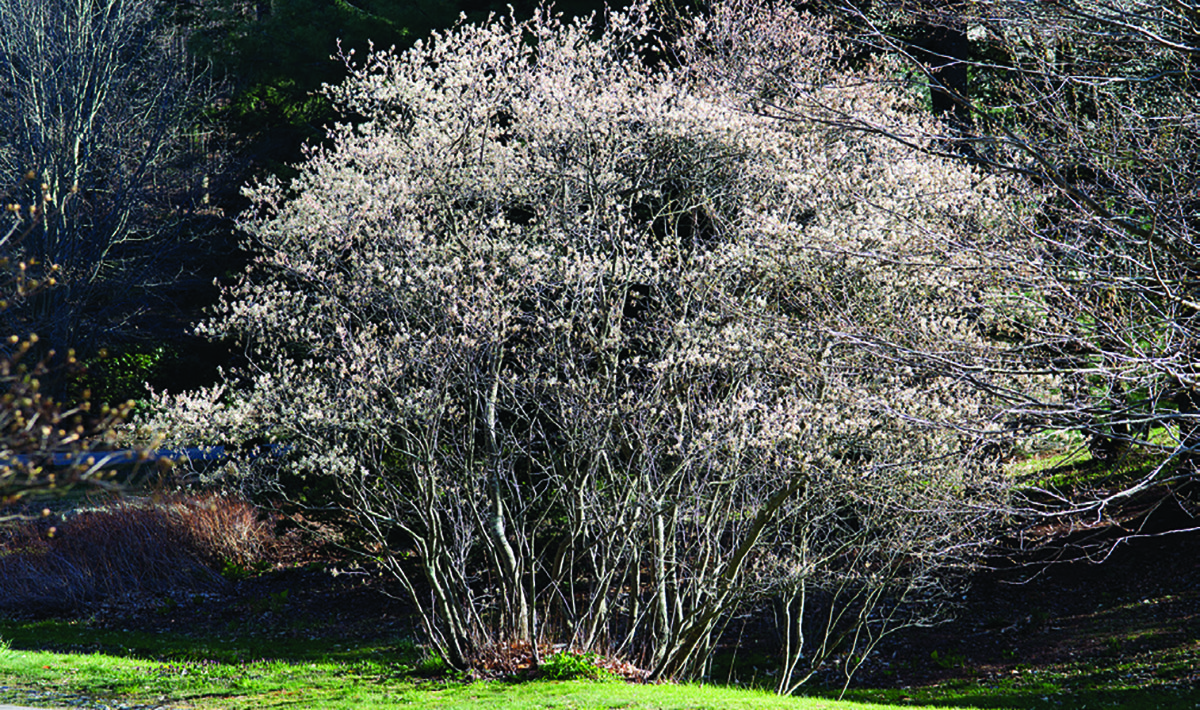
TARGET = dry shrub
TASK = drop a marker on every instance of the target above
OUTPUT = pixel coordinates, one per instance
(225, 530)
(168, 543)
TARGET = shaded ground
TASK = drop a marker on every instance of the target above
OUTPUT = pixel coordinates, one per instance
(1131, 621)
(318, 603)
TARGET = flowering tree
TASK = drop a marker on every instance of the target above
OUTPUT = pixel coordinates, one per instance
(585, 353)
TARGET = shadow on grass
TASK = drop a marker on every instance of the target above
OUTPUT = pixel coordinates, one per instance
(79, 636)
(1048, 696)
(400, 657)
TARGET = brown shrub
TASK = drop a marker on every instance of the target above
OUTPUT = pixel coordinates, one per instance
(134, 547)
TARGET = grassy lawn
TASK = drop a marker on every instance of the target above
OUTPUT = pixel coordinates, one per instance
(135, 668)
(348, 684)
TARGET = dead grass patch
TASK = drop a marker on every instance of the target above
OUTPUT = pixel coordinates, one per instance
(131, 547)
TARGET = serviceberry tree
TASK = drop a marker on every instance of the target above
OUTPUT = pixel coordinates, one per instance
(584, 352)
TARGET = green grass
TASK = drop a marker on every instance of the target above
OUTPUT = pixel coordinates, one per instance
(334, 685)
(249, 671)
(208, 685)
(211, 674)
(1061, 460)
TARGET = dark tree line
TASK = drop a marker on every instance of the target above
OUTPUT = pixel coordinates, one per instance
(144, 120)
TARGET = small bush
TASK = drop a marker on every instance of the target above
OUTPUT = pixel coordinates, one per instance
(431, 666)
(132, 548)
(226, 530)
(570, 666)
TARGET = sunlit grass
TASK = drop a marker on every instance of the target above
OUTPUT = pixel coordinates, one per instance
(248, 672)
(1062, 460)
(335, 685)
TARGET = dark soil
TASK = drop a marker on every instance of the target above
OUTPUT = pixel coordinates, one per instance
(1119, 599)
(320, 602)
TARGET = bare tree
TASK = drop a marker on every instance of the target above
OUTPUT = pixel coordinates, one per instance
(94, 97)
(46, 448)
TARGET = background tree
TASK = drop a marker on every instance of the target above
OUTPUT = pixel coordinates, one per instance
(583, 352)
(46, 448)
(96, 98)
